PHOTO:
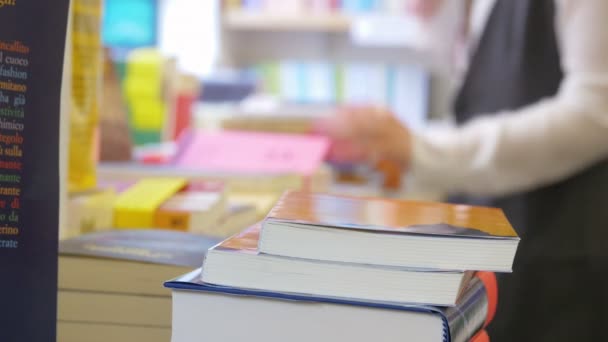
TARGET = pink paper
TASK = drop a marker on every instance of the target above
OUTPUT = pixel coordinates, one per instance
(253, 153)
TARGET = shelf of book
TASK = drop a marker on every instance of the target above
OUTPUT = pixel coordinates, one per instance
(250, 20)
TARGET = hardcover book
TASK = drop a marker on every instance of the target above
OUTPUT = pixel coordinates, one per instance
(390, 232)
(276, 316)
(128, 261)
(236, 262)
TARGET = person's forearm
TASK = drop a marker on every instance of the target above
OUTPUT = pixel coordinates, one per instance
(539, 144)
(515, 151)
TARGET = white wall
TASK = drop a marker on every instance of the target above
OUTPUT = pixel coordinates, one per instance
(189, 30)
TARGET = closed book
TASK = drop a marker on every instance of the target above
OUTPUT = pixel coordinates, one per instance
(203, 312)
(389, 232)
(114, 308)
(128, 261)
(197, 210)
(236, 262)
(95, 332)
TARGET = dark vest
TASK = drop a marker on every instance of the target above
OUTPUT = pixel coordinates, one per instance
(517, 63)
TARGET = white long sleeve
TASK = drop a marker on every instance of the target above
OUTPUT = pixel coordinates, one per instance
(539, 144)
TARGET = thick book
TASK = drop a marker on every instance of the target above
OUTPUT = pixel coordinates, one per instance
(128, 261)
(114, 308)
(32, 41)
(204, 312)
(389, 232)
(236, 262)
(98, 332)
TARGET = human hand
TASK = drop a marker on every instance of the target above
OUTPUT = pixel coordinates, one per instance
(369, 134)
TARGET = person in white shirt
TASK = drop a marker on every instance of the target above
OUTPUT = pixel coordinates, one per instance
(532, 139)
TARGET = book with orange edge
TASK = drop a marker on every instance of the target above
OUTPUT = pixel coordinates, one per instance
(237, 262)
(389, 232)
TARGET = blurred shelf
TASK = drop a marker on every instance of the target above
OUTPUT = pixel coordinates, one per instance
(254, 21)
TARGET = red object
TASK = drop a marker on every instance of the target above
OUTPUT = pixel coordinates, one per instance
(482, 336)
(155, 159)
(183, 115)
(489, 280)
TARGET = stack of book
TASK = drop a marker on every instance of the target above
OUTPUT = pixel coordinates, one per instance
(169, 203)
(110, 283)
(400, 267)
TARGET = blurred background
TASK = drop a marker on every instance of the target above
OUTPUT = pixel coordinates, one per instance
(189, 118)
(193, 117)
(258, 56)
(185, 82)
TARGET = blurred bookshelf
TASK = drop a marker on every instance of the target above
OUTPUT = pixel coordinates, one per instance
(304, 53)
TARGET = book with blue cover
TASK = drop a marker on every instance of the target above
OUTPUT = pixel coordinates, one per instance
(142, 245)
(129, 261)
(205, 312)
(32, 41)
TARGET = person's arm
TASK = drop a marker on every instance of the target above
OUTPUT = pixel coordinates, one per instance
(541, 143)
